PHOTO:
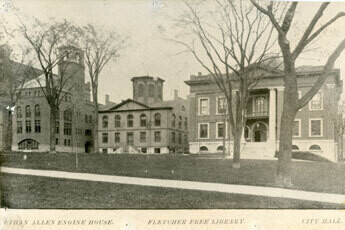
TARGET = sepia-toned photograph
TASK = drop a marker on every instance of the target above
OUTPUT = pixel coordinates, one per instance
(179, 104)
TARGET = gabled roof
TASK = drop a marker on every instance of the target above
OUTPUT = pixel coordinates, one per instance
(140, 107)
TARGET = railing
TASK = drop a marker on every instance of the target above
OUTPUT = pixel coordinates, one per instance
(257, 114)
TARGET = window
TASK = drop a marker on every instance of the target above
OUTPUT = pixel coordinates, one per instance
(295, 148)
(117, 121)
(173, 137)
(315, 127)
(104, 137)
(185, 139)
(157, 119)
(186, 123)
(90, 118)
(316, 102)
(67, 115)
(57, 127)
(130, 120)
(65, 142)
(142, 137)
(297, 128)
(246, 133)
(28, 144)
(86, 118)
(19, 112)
(27, 111)
(151, 90)
(28, 126)
(144, 150)
(220, 148)
(130, 138)
(203, 130)
(105, 122)
(157, 150)
(180, 122)
(37, 126)
(260, 106)
(57, 141)
(67, 129)
(220, 129)
(88, 132)
(203, 149)
(203, 106)
(117, 138)
(221, 105)
(140, 90)
(69, 142)
(157, 136)
(315, 148)
(19, 127)
(105, 151)
(143, 120)
(180, 138)
(173, 120)
(37, 111)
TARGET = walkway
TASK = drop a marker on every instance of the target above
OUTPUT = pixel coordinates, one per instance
(203, 186)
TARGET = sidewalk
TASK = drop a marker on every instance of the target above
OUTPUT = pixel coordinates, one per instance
(192, 185)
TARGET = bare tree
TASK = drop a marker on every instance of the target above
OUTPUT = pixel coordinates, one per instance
(291, 102)
(100, 47)
(230, 42)
(13, 76)
(46, 39)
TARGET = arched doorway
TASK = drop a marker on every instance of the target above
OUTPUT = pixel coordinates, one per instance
(88, 146)
(259, 132)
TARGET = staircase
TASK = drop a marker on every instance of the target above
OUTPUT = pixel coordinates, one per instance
(127, 149)
(257, 150)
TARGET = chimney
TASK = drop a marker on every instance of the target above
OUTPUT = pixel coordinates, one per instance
(175, 93)
(107, 99)
(199, 74)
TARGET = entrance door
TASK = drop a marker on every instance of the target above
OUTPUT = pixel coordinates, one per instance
(260, 132)
(257, 136)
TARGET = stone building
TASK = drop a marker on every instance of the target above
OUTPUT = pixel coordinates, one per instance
(145, 124)
(313, 130)
(75, 117)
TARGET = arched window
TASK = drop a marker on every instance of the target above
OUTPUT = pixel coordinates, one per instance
(19, 112)
(157, 119)
(105, 122)
(220, 148)
(186, 123)
(315, 148)
(37, 111)
(143, 120)
(117, 121)
(130, 120)
(203, 149)
(140, 90)
(173, 120)
(27, 111)
(151, 90)
(260, 106)
(180, 122)
(295, 148)
(67, 115)
(28, 144)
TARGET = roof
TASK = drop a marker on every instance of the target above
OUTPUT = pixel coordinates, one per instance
(300, 71)
(141, 106)
(36, 82)
(147, 78)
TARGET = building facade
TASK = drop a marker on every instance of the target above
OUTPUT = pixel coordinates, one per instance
(313, 126)
(145, 124)
(75, 118)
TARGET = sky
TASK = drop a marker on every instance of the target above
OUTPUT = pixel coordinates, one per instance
(148, 24)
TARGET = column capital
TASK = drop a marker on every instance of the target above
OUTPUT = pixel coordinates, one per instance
(277, 88)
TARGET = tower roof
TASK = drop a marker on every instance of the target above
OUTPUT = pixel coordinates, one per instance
(147, 78)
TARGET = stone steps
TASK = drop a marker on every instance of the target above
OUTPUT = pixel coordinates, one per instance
(257, 150)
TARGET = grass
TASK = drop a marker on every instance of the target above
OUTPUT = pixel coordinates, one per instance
(40, 192)
(309, 176)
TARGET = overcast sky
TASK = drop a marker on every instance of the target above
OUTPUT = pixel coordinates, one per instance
(148, 23)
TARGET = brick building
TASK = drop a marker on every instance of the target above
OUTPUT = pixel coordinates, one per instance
(31, 121)
(313, 129)
(146, 123)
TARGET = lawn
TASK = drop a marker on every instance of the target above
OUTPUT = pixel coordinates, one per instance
(40, 192)
(309, 176)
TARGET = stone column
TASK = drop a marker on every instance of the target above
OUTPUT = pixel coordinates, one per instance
(272, 116)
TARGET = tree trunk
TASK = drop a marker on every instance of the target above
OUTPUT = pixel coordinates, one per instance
(237, 148)
(283, 177)
(9, 135)
(52, 143)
